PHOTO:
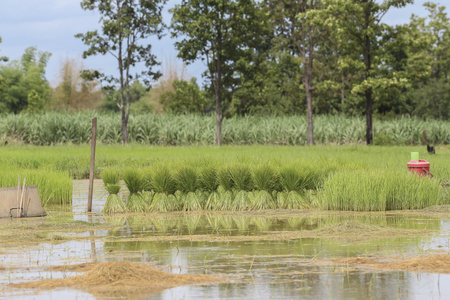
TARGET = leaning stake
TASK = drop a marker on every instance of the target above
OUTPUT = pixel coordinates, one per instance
(21, 198)
(91, 173)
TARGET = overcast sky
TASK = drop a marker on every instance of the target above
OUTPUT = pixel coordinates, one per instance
(50, 25)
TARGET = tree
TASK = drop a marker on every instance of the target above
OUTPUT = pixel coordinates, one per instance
(298, 36)
(222, 32)
(75, 92)
(358, 32)
(187, 98)
(126, 24)
(24, 80)
(2, 58)
(429, 62)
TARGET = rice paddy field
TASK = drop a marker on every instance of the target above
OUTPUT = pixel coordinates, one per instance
(230, 222)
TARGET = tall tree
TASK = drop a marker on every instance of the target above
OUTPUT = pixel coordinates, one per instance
(222, 32)
(357, 25)
(297, 35)
(126, 25)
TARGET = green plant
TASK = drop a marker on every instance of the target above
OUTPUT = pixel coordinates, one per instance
(186, 179)
(208, 179)
(163, 181)
(241, 177)
(264, 178)
(114, 204)
(134, 180)
(224, 178)
(113, 189)
(110, 176)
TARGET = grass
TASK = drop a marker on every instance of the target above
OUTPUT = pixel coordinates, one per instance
(51, 128)
(320, 176)
(378, 190)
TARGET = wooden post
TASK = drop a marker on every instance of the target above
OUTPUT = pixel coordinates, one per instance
(91, 173)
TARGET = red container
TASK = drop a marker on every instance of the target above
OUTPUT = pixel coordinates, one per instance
(420, 167)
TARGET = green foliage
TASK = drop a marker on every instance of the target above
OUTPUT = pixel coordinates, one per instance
(186, 98)
(241, 177)
(224, 178)
(136, 203)
(134, 180)
(208, 179)
(110, 176)
(376, 190)
(51, 128)
(265, 178)
(54, 187)
(221, 49)
(186, 179)
(114, 204)
(163, 181)
(112, 189)
(125, 24)
(23, 85)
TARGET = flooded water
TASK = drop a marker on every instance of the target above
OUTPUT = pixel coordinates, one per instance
(246, 250)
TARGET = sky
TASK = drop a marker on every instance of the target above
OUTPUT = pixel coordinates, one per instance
(50, 25)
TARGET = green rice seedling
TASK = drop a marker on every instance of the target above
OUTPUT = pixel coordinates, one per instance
(174, 205)
(289, 179)
(202, 196)
(181, 198)
(192, 202)
(148, 198)
(213, 202)
(186, 179)
(264, 179)
(377, 190)
(226, 201)
(281, 200)
(296, 201)
(208, 179)
(147, 179)
(163, 181)
(240, 201)
(136, 203)
(297, 179)
(261, 200)
(110, 176)
(241, 177)
(224, 178)
(112, 189)
(160, 203)
(135, 183)
(134, 180)
(114, 204)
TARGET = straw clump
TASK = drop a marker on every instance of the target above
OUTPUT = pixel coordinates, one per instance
(122, 278)
(426, 264)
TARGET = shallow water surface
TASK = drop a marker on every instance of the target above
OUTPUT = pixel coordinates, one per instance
(246, 250)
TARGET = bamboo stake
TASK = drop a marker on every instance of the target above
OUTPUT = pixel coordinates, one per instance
(91, 173)
(18, 193)
(21, 198)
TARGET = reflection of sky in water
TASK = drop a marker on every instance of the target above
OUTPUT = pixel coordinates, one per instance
(258, 269)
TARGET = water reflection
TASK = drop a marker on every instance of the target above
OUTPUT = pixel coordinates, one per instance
(257, 268)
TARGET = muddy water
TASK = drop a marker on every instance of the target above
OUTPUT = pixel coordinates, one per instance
(256, 269)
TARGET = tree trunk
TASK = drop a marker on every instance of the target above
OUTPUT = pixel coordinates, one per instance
(368, 93)
(369, 105)
(218, 110)
(307, 54)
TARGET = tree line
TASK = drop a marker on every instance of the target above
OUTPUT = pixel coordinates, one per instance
(276, 57)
